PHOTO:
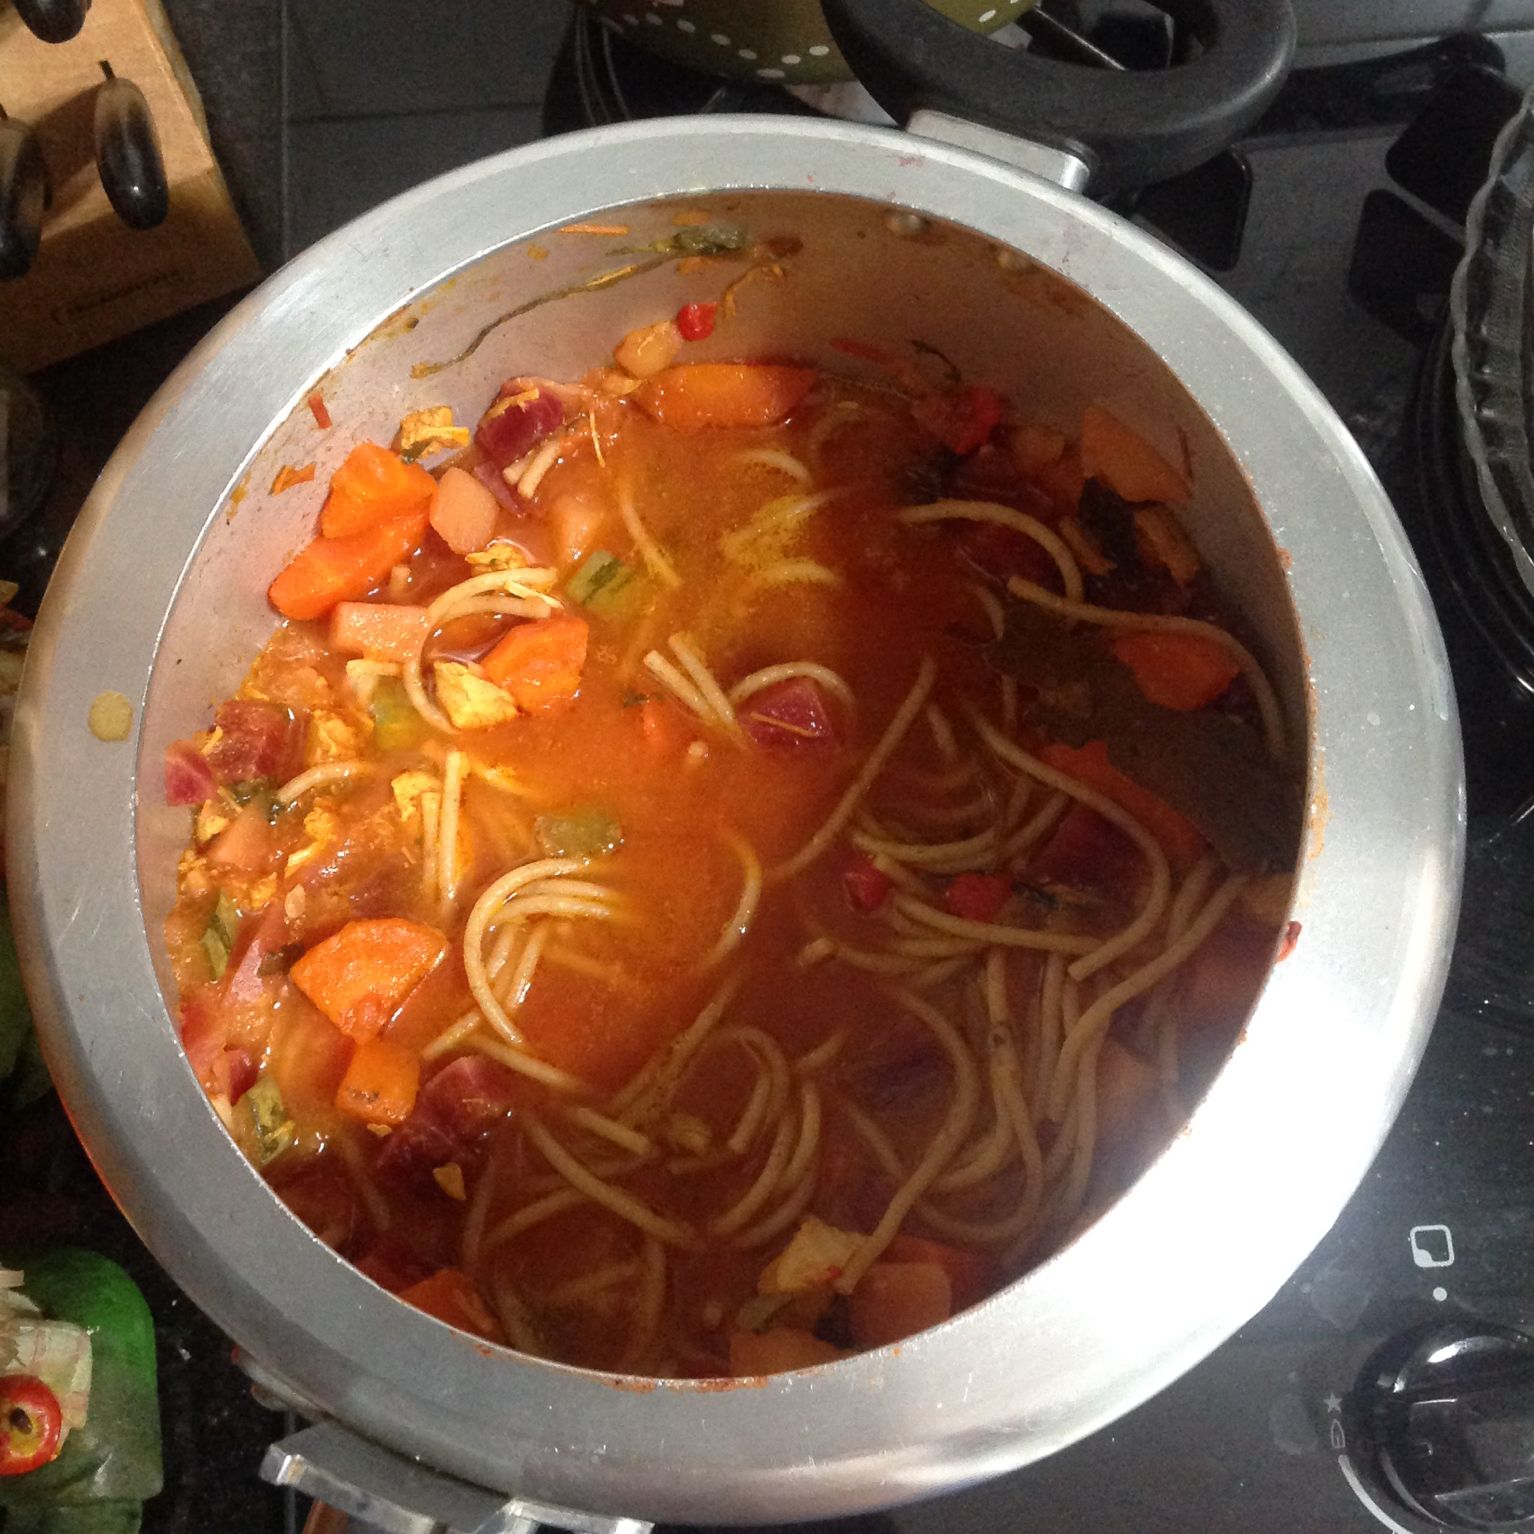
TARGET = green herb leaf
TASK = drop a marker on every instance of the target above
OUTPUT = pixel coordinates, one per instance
(273, 1128)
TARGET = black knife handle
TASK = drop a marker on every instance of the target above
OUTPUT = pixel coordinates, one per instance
(55, 21)
(128, 155)
(1132, 127)
(24, 197)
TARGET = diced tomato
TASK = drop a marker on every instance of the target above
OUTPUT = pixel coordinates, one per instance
(1085, 851)
(977, 897)
(247, 845)
(789, 716)
(188, 777)
(696, 321)
(494, 481)
(867, 886)
(962, 420)
(1001, 552)
(256, 740)
(259, 937)
(507, 434)
(203, 1035)
(452, 1112)
(240, 1073)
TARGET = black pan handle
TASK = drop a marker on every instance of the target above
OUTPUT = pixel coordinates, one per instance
(128, 155)
(1132, 127)
(54, 21)
(24, 197)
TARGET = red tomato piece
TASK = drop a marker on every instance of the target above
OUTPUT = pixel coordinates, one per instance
(188, 777)
(1001, 552)
(789, 716)
(256, 740)
(31, 1424)
(977, 897)
(867, 886)
(696, 321)
(256, 941)
(963, 420)
(507, 435)
(1086, 851)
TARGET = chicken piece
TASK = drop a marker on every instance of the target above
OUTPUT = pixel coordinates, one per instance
(470, 701)
(408, 788)
(814, 1257)
(426, 430)
(331, 738)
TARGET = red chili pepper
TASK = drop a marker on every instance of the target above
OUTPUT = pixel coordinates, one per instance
(31, 1424)
(867, 886)
(318, 411)
(696, 321)
(977, 897)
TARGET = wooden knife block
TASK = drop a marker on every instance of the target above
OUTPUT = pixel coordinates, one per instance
(93, 278)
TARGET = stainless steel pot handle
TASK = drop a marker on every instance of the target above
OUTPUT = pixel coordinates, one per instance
(1129, 127)
(387, 1494)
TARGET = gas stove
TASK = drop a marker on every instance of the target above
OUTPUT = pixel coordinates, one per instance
(1386, 1384)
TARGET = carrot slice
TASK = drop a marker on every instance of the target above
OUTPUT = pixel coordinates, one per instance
(894, 1300)
(1124, 461)
(359, 977)
(701, 394)
(539, 663)
(1181, 671)
(370, 486)
(463, 511)
(969, 1272)
(331, 570)
(381, 630)
(1089, 765)
(450, 1296)
(381, 1082)
(778, 1351)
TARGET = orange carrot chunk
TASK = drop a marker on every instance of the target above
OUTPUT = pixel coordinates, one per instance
(1089, 765)
(332, 570)
(540, 663)
(1124, 461)
(381, 1082)
(379, 630)
(778, 1351)
(894, 1300)
(701, 394)
(1181, 671)
(450, 1296)
(359, 977)
(372, 485)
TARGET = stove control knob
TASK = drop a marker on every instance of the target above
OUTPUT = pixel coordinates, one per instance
(1449, 1416)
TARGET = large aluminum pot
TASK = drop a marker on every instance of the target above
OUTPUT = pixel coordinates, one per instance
(160, 595)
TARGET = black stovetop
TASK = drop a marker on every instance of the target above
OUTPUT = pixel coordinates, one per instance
(1253, 1439)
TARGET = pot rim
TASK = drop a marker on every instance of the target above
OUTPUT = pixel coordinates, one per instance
(1192, 1251)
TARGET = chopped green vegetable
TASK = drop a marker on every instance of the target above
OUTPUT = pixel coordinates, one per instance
(218, 937)
(396, 725)
(587, 832)
(269, 1118)
(602, 583)
(759, 1312)
(249, 788)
